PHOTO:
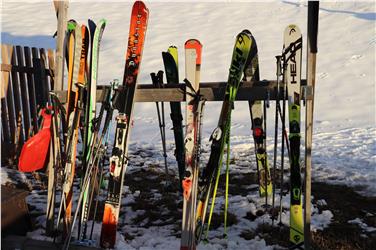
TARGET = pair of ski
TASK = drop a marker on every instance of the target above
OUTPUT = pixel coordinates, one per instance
(291, 60)
(194, 214)
(81, 102)
(292, 63)
(192, 141)
(170, 60)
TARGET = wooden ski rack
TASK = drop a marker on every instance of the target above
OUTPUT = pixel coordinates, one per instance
(212, 91)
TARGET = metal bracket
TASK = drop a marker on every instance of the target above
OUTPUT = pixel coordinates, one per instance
(307, 93)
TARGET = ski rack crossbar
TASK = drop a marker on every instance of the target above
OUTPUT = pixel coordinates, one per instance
(211, 91)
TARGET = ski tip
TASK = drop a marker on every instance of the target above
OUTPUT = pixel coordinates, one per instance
(247, 32)
(139, 10)
(140, 5)
(173, 50)
(292, 30)
(103, 21)
(194, 44)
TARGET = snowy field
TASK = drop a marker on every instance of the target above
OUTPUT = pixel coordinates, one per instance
(344, 142)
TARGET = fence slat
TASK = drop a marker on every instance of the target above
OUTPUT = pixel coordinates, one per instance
(31, 88)
(4, 105)
(51, 67)
(20, 135)
(24, 93)
(9, 95)
(38, 81)
(45, 87)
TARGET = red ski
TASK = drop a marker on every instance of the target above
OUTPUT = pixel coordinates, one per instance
(124, 103)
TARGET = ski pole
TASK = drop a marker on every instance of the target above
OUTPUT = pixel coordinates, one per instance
(264, 162)
(227, 182)
(283, 141)
(155, 81)
(160, 84)
(87, 177)
(276, 132)
(108, 120)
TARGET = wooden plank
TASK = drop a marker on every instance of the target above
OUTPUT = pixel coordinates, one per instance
(24, 93)
(9, 67)
(212, 91)
(4, 104)
(39, 82)
(14, 208)
(5, 67)
(20, 134)
(51, 67)
(6, 52)
(31, 88)
(5, 122)
(61, 8)
(312, 30)
(54, 158)
(45, 87)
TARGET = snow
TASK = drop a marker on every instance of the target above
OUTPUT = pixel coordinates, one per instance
(362, 225)
(344, 142)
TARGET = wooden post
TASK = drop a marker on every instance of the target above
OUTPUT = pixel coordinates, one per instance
(7, 110)
(313, 14)
(61, 8)
(62, 13)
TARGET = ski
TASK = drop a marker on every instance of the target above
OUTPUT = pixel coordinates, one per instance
(124, 104)
(193, 50)
(96, 33)
(252, 73)
(292, 56)
(73, 117)
(170, 60)
(220, 134)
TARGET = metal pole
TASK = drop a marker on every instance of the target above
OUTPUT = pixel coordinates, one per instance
(276, 133)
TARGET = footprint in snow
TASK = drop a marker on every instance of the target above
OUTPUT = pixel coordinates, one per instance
(356, 57)
(353, 59)
(323, 75)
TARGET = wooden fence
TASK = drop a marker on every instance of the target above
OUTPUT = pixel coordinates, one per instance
(26, 79)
